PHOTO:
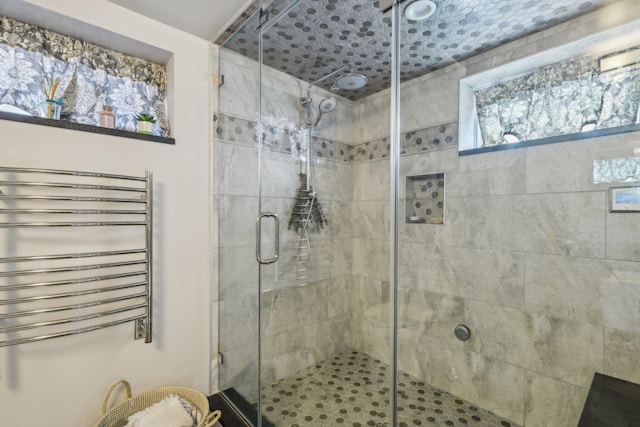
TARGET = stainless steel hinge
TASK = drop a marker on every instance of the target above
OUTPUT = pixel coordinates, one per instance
(220, 359)
(264, 18)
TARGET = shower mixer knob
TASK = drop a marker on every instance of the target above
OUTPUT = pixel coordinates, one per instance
(463, 333)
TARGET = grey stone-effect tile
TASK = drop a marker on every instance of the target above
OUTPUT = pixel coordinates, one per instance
(289, 308)
(238, 174)
(488, 382)
(236, 212)
(574, 165)
(621, 351)
(240, 371)
(623, 233)
(599, 292)
(371, 181)
(560, 349)
(492, 276)
(488, 174)
(565, 224)
(429, 314)
(238, 322)
(552, 403)
(371, 258)
(299, 347)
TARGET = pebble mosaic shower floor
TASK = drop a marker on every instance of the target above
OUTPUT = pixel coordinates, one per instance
(352, 389)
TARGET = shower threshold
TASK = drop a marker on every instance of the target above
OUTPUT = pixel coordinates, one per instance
(353, 389)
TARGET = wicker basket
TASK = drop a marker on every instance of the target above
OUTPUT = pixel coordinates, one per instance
(117, 415)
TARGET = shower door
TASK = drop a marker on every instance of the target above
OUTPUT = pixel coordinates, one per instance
(324, 303)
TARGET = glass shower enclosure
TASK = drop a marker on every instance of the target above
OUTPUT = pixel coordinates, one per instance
(373, 272)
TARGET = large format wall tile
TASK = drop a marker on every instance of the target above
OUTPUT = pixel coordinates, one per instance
(429, 314)
(237, 271)
(564, 224)
(290, 308)
(371, 318)
(240, 371)
(623, 231)
(239, 93)
(238, 321)
(501, 172)
(569, 166)
(279, 176)
(238, 170)
(371, 258)
(339, 296)
(338, 213)
(491, 276)
(333, 180)
(370, 219)
(621, 350)
(600, 292)
(371, 116)
(287, 353)
(371, 181)
(557, 348)
(484, 381)
(552, 403)
(237, 216)
(439, 106)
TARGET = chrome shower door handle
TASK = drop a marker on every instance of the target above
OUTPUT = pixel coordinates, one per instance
(259, 237)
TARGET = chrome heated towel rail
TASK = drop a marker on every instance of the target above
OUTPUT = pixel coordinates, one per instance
(75, 253)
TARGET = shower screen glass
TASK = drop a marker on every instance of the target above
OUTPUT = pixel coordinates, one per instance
(325, 329)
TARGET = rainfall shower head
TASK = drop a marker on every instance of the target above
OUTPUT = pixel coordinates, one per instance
(350, 81)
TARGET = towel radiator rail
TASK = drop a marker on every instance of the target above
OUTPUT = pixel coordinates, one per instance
(54, 289)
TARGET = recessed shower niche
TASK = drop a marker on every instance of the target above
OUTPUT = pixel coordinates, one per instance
(424, 201)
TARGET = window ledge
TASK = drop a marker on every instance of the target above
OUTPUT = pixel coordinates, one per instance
(553, 139)
(84, 128)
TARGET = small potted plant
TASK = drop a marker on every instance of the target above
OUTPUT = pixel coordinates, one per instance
(145, 123)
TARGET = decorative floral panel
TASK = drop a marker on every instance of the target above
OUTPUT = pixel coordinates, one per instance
(559, 99)
(90, 76)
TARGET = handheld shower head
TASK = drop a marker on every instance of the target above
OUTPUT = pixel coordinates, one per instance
(327, 105)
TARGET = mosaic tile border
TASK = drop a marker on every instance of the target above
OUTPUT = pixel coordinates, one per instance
(242, 131)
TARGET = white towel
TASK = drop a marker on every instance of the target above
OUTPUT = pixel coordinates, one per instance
(169, 412)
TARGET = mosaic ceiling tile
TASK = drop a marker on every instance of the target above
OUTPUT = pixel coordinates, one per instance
(314, 38)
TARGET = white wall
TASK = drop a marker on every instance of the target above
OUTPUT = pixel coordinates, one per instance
(62, 382)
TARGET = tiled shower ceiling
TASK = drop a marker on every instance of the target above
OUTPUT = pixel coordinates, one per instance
(316, 37)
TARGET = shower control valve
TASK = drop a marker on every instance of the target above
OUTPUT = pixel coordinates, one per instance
(463, 333)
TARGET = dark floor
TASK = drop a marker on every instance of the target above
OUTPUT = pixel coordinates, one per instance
(353, 389)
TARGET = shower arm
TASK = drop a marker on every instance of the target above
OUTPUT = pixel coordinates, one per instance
(333, 73)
